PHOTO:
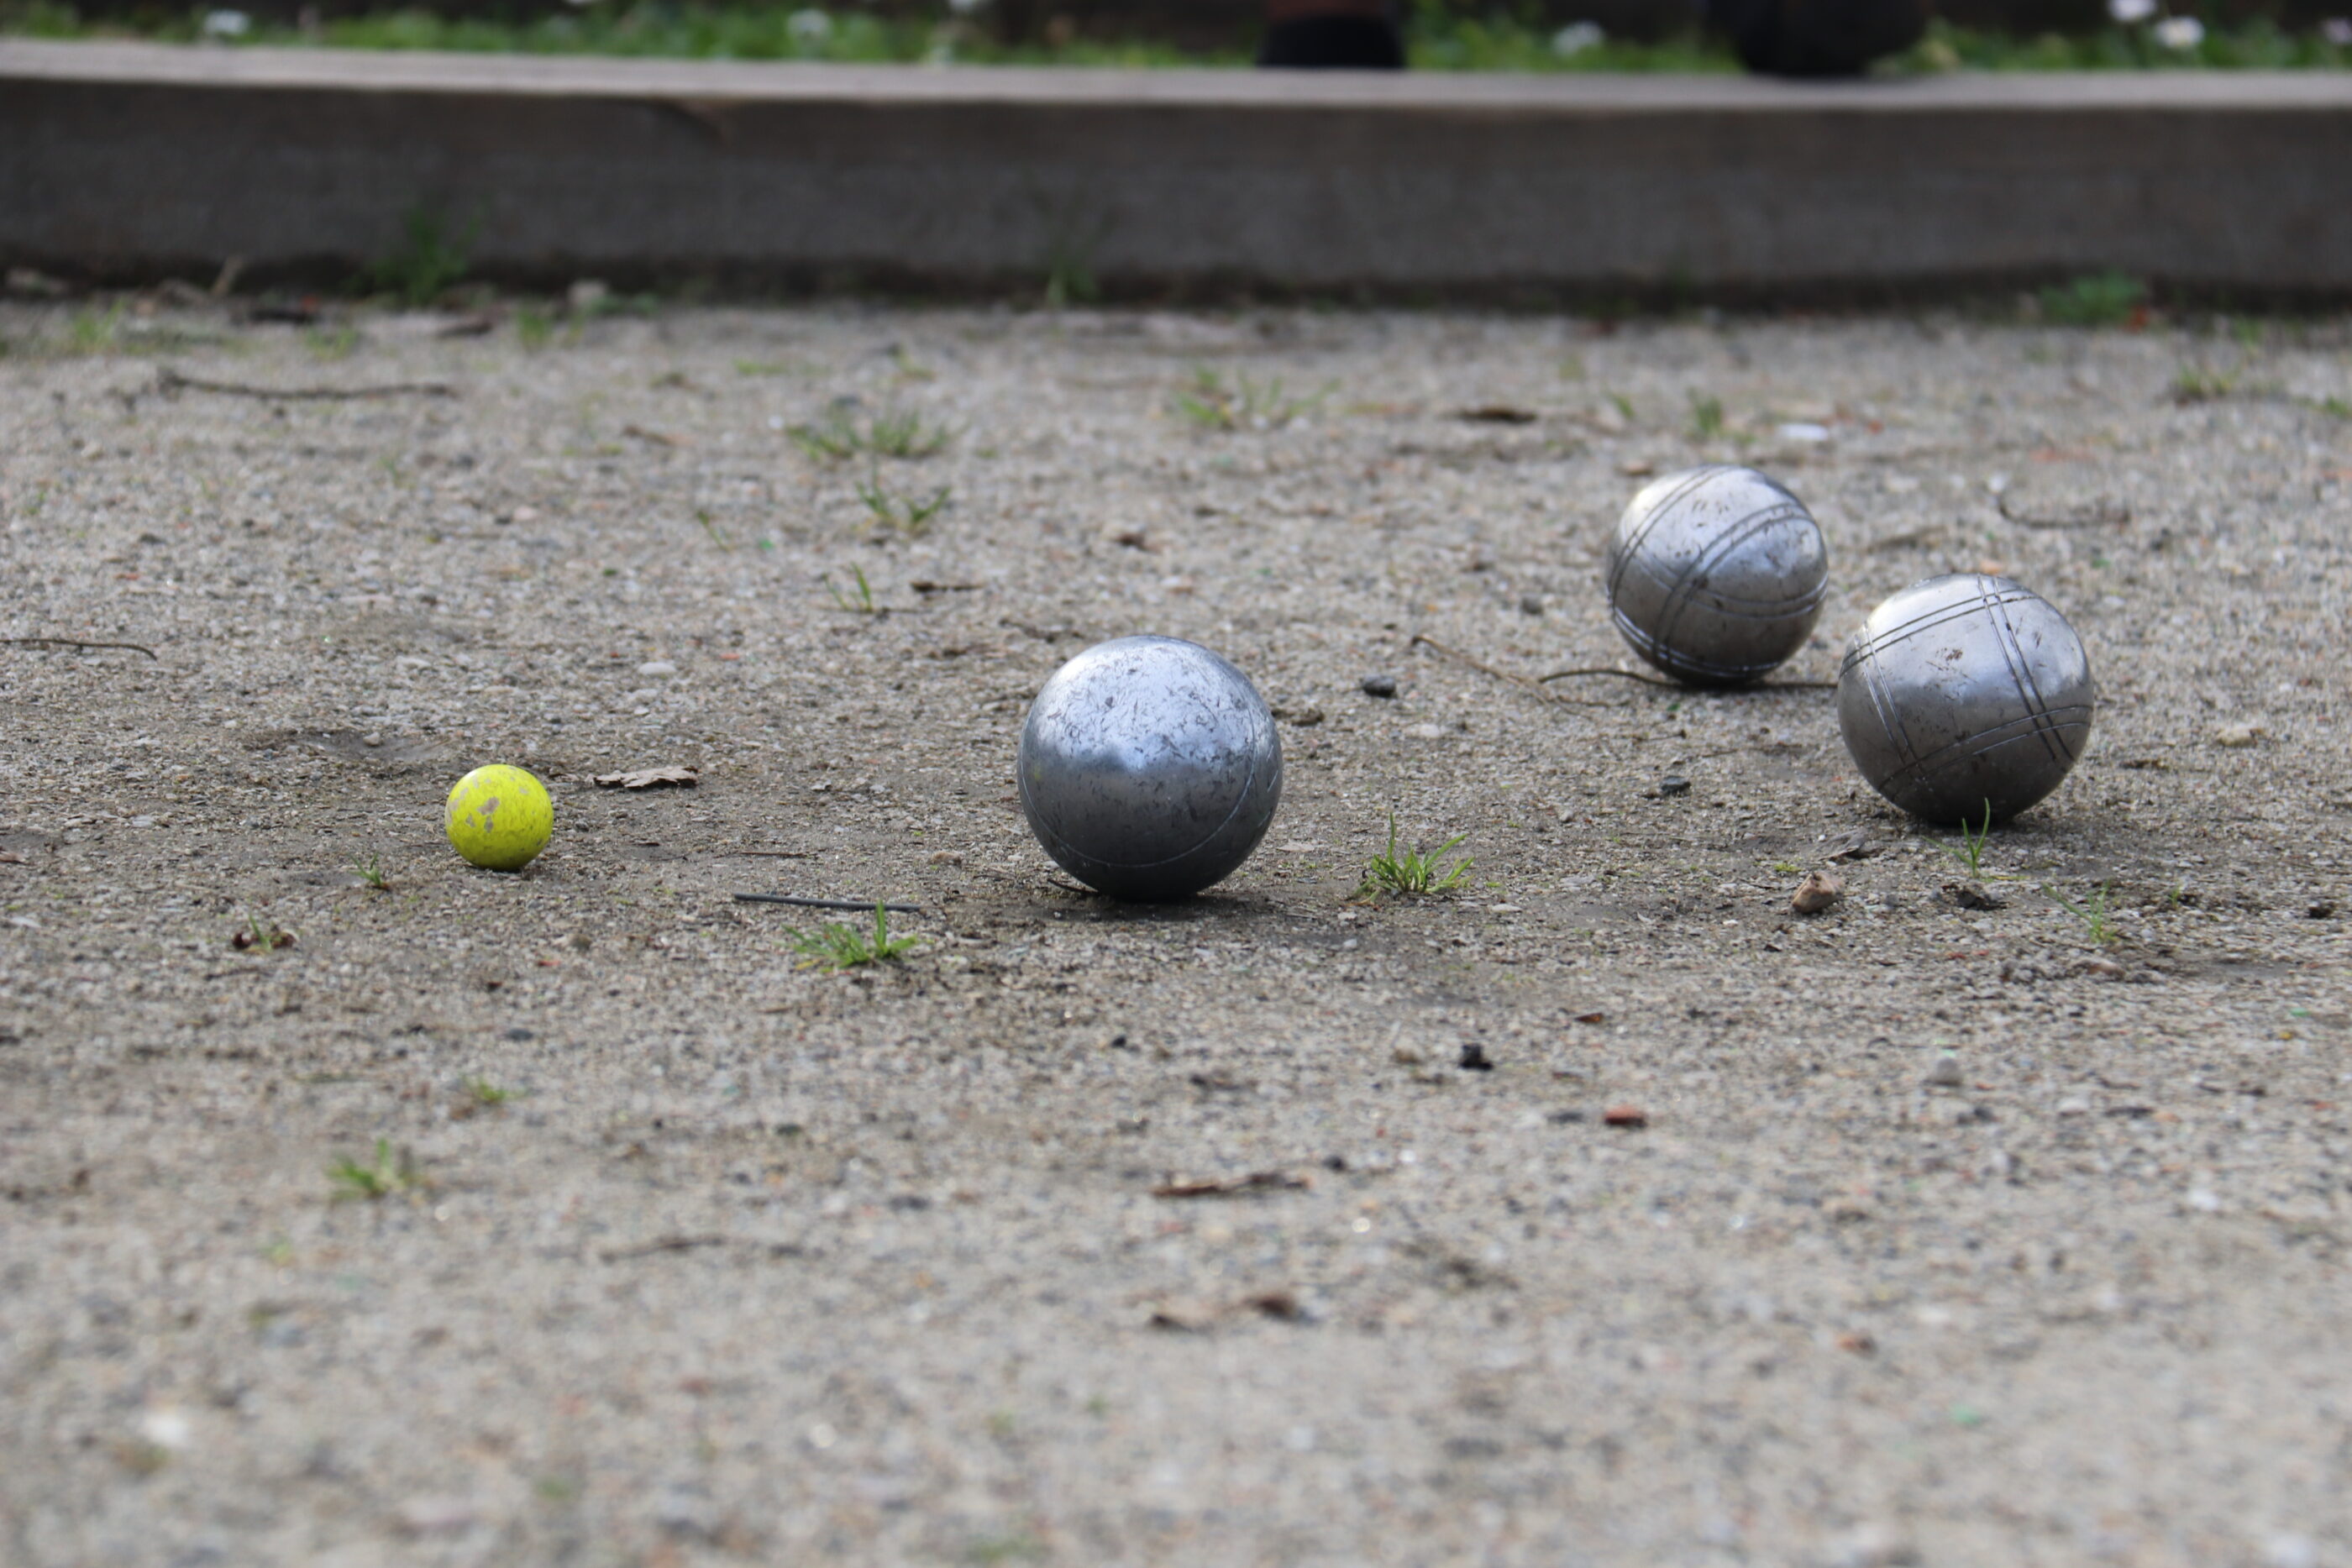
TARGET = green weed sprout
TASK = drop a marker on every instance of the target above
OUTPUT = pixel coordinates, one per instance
(839, 946)
(1970, 853)
(390, 1171)
(1414, 875)
(2098, 921)
(859, 603)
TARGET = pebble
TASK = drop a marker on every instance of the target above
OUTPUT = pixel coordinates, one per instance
(1474, 1058)
(1531, 604)
(1973, 895)
(657, 667)
(1672, 785)
(2237, 736)
(1380, 685)
(1816, 892)
(1425, 732)
(1946, 1072)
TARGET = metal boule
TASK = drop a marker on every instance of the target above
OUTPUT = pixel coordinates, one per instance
(1965, 695)
(1150, 768)
(1715, 575)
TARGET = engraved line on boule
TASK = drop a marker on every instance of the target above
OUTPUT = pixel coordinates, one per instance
(1927, 621)
(2034, 723)
(2020, 668)
(1686, 590)
(1628, 547)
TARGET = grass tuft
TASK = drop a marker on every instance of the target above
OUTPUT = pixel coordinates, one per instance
(2098, 921)
(837, 946)
(894, 433)
(905, 515)
(2100, 299)
(1414, 875)
(1213, 402)
(1970, 850)
(859, 603)
(390, 1172)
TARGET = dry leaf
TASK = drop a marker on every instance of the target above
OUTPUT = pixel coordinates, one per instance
(650, 779)
(1227, 1186)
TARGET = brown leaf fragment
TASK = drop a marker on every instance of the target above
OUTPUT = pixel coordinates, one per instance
(1628, 1117)
(1592, 1018)
(650, 779)
(1499, 414)
(1228, 1187)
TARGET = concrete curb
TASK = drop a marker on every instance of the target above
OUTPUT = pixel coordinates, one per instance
(127, 160)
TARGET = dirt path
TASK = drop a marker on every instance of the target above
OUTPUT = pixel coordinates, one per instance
(1945, 1236)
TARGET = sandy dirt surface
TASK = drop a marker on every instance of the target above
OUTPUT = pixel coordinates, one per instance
(1902, 1233)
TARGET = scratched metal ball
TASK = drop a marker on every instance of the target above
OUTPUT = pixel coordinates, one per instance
(1963, 694)
(1715, 575)
(1150, 768)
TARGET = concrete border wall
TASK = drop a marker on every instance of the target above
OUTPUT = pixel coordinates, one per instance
(123, 160)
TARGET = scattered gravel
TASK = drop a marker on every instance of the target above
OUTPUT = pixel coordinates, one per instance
(649, 1246)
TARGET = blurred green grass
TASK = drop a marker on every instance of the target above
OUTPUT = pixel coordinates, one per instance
(1439, 39)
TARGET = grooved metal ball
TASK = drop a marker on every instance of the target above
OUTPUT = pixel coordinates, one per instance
(1964, 692)
(1715, 575)
(1150, 768)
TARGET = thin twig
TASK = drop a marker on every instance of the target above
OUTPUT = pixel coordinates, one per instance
(826, 903)
(773, 854)
(1520, 680)
(168, 380)
(658, 1246)
(1678, 687)
(73, 642)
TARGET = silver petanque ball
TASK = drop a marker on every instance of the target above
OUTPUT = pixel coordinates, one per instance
(1715, 575)
(1150, 768)
(1962, 694)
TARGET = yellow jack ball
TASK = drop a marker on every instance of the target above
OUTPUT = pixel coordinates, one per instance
(500, 816)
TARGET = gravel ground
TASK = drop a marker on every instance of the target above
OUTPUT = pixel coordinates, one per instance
(1902, 1233)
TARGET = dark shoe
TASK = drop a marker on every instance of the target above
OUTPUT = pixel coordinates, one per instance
(1818, 38)
(1333, 43)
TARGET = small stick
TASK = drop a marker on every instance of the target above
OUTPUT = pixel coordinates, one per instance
(71, 642)
(1678, 687)
(1520, 680)
(824, 902)
(168, 380)
(773, 854)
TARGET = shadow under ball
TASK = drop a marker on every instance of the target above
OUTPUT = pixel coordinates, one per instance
(1715, 575)
(1964, 692)
(1150, 768)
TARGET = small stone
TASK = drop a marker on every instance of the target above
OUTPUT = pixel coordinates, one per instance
(2237, 736)
(2324, 909)
(1628, 1117)
(1380, 685)
(2100, 968)
(1973, 895)
(1474, 1058)
(1672, 785)
(657, 667)
(2204, 1200)
(1816, 892)
(1531, 604)
(1425, 732)
(587, 294)
(1946, 1072)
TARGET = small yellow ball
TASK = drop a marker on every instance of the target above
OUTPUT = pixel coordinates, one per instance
(500, 816)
